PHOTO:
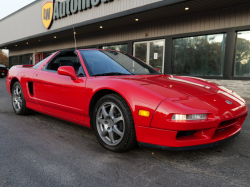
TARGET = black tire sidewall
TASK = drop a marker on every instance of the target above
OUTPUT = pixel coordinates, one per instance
(125, 140)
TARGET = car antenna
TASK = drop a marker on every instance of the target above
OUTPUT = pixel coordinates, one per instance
(74, 32)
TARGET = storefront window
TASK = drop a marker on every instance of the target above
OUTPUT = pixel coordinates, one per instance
(199, 56)
(242, 55)
(13, 61)
(26, 59)
(123, 48)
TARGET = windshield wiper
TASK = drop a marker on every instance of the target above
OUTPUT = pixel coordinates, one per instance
(110, 74)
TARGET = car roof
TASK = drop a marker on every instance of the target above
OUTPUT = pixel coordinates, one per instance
(93, 49)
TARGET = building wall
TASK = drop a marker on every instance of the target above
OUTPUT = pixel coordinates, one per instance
(30, 17)
(219, 19)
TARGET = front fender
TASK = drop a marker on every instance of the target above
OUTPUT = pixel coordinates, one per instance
(137, 97)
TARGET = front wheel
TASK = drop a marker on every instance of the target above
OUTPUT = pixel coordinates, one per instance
(113, 124)
(18, 101)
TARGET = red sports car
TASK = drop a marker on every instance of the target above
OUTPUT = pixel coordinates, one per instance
(126, 101)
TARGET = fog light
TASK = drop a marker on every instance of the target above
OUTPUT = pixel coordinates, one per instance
(183, 117)
(144, 113)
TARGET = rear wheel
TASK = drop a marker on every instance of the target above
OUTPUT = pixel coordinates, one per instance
(18, 101)
(113, 123)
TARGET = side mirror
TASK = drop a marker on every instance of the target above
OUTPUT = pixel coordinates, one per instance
(67, 71)
(157, 69)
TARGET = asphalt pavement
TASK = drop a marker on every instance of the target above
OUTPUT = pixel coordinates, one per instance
(39, 150)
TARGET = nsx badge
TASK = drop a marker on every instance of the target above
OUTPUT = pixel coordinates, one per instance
(229, 102)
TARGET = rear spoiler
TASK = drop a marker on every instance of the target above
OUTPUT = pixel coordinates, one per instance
(27, 65)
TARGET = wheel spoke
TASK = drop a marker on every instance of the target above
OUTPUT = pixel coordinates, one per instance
(117, 131)
(111, 137)
(17, 91)
(15, 103)
(18, 105)
(111, 112)
(104, 112)
(104, 132)
(101, 121)
(116, 120)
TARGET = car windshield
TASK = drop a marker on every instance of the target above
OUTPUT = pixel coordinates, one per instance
(108, 63)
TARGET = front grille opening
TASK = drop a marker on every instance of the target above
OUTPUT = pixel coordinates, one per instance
(228, 123)
(185, 133)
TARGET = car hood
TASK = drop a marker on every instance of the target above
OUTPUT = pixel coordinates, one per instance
(180, 86)
(188, 86)
(186, 91)
(178, 89)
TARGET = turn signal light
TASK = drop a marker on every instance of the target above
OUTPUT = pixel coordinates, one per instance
(144, 113)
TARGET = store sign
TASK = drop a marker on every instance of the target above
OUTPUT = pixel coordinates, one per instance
(54, 10)
(47, 13)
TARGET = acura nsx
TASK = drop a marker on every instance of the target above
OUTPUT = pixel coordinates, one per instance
(126, 101)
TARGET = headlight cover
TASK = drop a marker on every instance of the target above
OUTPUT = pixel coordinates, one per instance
(189, 117)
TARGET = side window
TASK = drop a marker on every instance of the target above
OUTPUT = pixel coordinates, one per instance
(66, 59)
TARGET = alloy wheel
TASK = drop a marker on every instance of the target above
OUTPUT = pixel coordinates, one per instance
(110, 123)
(17, 98)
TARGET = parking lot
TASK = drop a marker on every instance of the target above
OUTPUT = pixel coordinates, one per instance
(38, 150)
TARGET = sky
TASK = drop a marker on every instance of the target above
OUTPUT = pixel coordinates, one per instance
(9, 6)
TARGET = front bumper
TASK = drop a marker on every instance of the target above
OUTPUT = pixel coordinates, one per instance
(202, 136)
(203, 146)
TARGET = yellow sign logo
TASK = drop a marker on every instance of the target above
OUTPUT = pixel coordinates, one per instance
(47, 13)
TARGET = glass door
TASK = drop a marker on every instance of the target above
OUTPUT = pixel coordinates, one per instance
(141, 51)
(151, 52)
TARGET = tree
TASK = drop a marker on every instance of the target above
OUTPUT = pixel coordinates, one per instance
(4, 60)
(242, 58)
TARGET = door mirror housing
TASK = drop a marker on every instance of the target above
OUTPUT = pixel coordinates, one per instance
(67, 71)
(157, 69)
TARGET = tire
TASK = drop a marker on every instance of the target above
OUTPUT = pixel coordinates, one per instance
(18, 101)
(114, 129)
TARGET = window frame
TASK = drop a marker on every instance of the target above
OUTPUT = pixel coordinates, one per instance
(45, 68)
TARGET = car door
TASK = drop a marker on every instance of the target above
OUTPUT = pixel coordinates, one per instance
(59, 94)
